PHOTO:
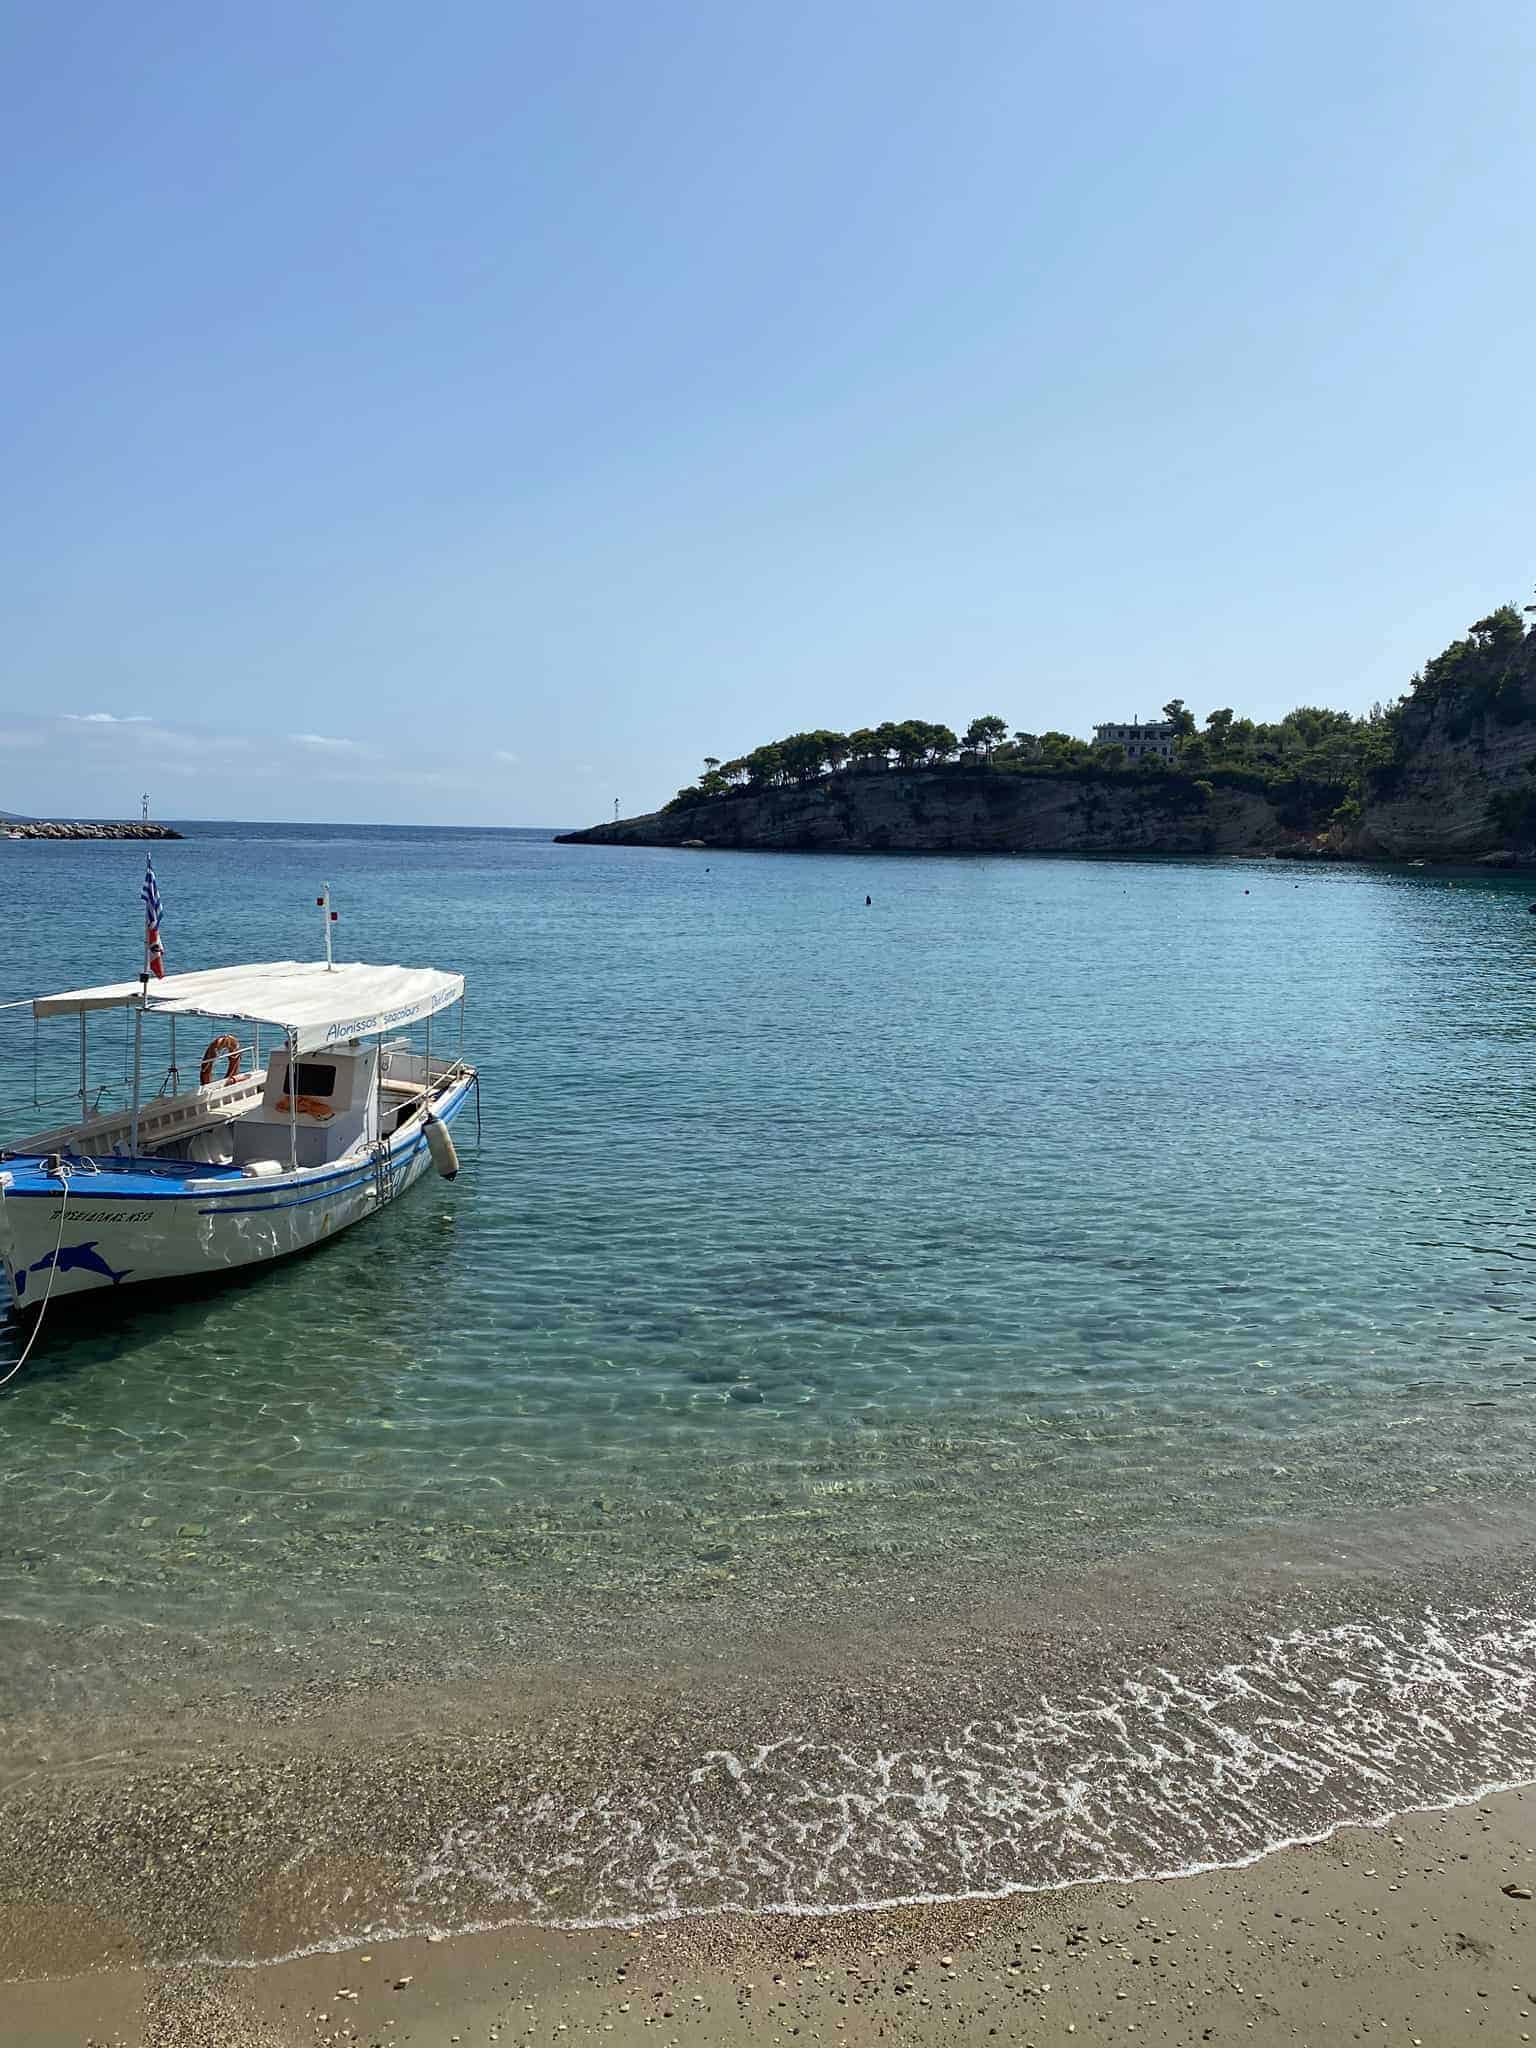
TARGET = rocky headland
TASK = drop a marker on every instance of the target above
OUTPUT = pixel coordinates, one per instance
(952, 808)
(1446, 774)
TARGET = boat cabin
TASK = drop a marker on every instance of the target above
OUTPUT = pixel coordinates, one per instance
(332, 1086)
(328, 1105)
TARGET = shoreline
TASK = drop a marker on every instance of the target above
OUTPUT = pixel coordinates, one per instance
(1403, 1926)
(1108, 1729)
(1501, 862)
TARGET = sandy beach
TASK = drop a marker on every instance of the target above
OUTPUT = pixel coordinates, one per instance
(317, 1819)
(1419, 1931)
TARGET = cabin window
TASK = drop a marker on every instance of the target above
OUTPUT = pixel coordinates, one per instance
(311, 1077)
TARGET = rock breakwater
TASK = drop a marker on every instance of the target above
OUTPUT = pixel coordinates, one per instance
(45, 828)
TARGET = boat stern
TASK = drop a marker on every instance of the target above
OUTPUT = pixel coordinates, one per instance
(58, 1236)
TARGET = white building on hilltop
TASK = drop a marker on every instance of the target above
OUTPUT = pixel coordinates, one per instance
(1138, 740)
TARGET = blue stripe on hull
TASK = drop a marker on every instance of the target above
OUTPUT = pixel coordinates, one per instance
(295, 1202)
(140, 1184)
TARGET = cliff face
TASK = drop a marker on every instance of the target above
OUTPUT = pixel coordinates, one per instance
(1459, 790)
(967, 810)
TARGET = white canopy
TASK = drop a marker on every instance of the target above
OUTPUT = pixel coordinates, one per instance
(315, 1004)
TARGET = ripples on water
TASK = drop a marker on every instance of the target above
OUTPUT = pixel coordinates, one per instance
(1039, 1211)
(803, 1232)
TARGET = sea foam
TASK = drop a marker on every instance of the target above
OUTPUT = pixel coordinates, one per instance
(1154, 1773)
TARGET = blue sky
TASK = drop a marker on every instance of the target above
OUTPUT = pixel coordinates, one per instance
(480, 412)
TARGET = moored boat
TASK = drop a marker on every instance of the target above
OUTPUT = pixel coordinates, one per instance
(269, 1152)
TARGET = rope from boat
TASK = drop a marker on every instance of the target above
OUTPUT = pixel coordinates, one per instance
(63, 1173)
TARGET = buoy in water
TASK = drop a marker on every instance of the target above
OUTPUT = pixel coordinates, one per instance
(440, 1145)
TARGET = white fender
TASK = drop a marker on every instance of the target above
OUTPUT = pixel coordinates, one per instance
(440, 1145)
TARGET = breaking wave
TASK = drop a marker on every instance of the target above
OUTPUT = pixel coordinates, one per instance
(1154, 1774)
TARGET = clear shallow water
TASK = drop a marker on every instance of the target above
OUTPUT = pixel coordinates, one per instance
(1039, 1213)
(804, 1232)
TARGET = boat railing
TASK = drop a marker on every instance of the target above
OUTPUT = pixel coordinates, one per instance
(70, 1091)
(100, 1099)
(249, 1059)
(101, 1122)
(170, 1113)
(402, 1063)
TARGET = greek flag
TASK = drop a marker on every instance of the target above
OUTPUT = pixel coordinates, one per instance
(154, 952)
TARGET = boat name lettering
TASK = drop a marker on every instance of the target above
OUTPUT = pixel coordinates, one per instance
(111, 1216)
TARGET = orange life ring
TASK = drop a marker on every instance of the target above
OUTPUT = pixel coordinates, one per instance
(306, 1105)
(211, 1053)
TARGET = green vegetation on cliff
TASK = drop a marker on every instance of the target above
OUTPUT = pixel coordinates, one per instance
(1313, 761)
(1318, 767)
(1483, 673)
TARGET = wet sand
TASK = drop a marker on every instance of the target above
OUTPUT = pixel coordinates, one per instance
(138, 1844)
(1413, 1932)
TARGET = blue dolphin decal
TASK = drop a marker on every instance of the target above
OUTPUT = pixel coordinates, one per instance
(72, 1258)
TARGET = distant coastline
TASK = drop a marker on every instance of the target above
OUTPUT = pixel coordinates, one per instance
(1448, 773)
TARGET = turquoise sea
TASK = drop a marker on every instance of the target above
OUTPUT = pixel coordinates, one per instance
(1040, 1222)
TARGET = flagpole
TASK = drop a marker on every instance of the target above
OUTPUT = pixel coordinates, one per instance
(138, 1033)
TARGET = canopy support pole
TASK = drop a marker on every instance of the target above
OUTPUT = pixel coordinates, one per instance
(138, 1040)
(293, 1103)
(138, 1069)
(84, 1084)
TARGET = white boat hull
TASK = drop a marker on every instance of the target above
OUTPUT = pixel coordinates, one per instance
(120, 1230)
